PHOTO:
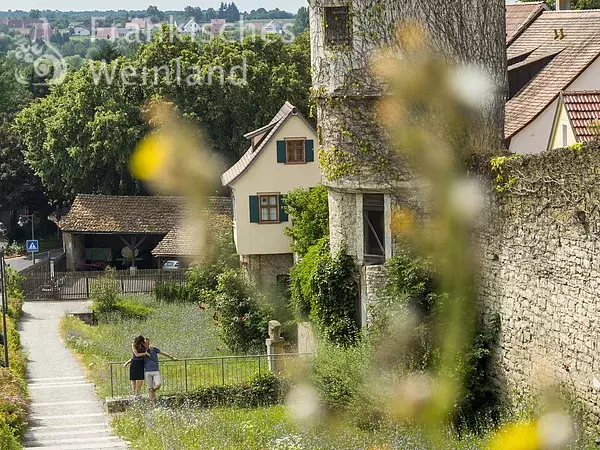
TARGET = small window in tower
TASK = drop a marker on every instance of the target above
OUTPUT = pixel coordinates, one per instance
(338, 32)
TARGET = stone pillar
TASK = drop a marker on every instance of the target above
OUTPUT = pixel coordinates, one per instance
(275, 349)
(74, 249)
(306, 338)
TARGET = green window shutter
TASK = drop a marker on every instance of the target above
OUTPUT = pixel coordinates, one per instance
(283, 217)
(309, 150)
(281, 152)
(254, 217)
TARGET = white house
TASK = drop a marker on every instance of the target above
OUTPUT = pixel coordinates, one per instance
(191, 27)
(282, 156)
(273, 27)
(555, 53)
(81, 31)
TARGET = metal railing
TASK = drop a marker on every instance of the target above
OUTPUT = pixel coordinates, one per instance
(188, 375)
(41, 285)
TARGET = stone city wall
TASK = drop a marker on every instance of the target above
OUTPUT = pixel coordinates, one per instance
(541, 273)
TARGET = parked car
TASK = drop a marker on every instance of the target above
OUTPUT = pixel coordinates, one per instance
(171, 265)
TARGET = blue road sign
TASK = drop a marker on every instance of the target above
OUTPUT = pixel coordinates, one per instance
(32, 246)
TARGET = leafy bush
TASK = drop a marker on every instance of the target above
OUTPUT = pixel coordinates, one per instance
(13, 404)
(14, 293)
(242, 312)
(265, 390)
(330, 286)
(105, 292)
(8, 440)
(339, 374)
(411, 285)
(202, 281)
(14, 248)
(131, 308)
(309, 211)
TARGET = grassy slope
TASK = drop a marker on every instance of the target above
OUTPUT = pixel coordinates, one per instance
(183, 330)
(261, 428)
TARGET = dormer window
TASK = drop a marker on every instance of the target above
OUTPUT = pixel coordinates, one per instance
(338, 33)
(294, 151)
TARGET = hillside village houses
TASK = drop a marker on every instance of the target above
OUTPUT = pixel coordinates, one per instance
(283, 155)
(37, 29)
(139, 24)
(554, 76)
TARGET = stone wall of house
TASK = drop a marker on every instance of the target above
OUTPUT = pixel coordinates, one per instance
(541, 273)
(266, 268)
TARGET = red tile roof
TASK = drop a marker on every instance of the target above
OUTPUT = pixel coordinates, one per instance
(519, 16)
(246, 160)
(579, 47)
(132, 214)
(185, 239)
(583, 109)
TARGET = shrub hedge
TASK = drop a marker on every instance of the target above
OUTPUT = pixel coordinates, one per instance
(14, 399)
(266, 390)
(325, 289)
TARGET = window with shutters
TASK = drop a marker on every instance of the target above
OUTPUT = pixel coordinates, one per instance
(337, 27)
(269, 208)
(294, 151)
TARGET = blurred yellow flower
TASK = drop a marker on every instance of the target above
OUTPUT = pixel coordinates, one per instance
(516, 436)
(403, 221)
(148, 158)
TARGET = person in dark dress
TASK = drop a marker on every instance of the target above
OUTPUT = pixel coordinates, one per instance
(136, 364)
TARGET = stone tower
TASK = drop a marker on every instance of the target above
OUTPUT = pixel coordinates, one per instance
(345, 39)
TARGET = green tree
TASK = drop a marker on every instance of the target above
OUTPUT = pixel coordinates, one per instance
(309, 215)
(301, 21)
(575, 4)
(18, 185)
(35, 13)
(267, 73)
(79, 138)
(155, 14)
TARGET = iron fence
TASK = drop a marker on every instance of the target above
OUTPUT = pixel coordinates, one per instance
(188, 375)
(41, 284)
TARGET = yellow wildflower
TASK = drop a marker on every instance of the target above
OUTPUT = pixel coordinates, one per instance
(516, 436)
(148, 158)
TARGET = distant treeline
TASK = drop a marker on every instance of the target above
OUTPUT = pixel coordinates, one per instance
(228, 11)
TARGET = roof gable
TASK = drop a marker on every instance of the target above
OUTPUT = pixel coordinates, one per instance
(583, 110)
(265, 134)
(574, 38)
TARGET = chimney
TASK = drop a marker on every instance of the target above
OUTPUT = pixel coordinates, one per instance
(563, 5)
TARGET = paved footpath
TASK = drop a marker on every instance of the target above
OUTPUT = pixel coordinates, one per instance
(65, 413)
